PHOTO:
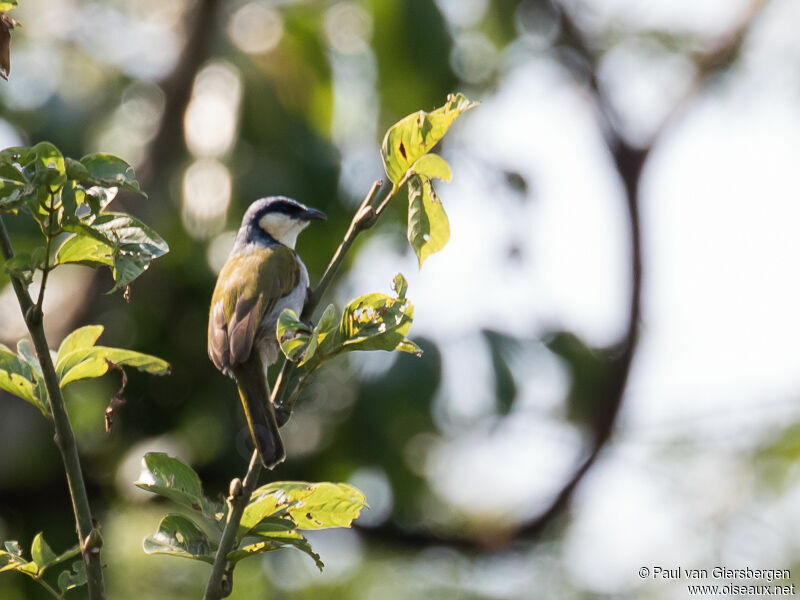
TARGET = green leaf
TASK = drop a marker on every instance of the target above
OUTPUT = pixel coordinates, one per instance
(76, 170)
(286, 539)
(433, 166)
(88, 363)
(173, 479)
(41, 553)
(13, 188)
(327, 321)
(371, 322)
(83, 337)
(400, 286)
(48, 168)
(7, 5)
(21, 267)
(85, 250)
(69, 579)
(317, 505)
(11, 561)
(120, 241)
(179, 536)
(109, 170)
(293, 335)
(416, 135)
(261, 505)
(17, 155)
(375, 322)
(19, 377)
(428, 226)
(409, 347)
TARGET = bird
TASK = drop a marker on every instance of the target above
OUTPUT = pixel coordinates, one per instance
(262, 276)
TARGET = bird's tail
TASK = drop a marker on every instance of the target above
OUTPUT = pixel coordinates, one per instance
(258, 410)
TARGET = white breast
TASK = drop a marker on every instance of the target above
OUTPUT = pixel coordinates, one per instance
(266, 342)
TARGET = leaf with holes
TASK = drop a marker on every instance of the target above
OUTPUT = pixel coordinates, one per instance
(118, 241)
(428, 226)
(316, 505)
(414, 136)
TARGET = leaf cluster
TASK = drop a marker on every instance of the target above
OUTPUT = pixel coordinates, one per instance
(77, 358)
(370, 322)
(406, 158)
(272, 519)
(68, 199)
(42, 558)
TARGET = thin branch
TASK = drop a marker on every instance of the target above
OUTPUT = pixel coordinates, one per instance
(88, 537)
(46, 268)
(220, 582)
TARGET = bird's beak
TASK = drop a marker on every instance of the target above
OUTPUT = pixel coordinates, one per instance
(312, 214)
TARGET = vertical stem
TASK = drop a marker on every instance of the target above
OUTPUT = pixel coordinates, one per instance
(88, 537)
(220, 586)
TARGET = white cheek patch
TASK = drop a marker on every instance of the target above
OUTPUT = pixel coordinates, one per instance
(282, 227)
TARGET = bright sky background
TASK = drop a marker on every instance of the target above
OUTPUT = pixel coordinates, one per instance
(718, 362)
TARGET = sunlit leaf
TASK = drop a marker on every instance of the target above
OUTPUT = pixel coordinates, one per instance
(173, 479)
(262, 505)
(85, 250)
(371, 322)
(317, 505)
(432, 166)
(83, 337)
(48, 168)
(41, 553)
(428, 226)
(375, 322)
(27, 354)
(88, 363)
(416, 135)
(275, 541)
(16, 376)
(179, 536)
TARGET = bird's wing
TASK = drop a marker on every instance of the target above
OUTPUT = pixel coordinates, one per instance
(248, 287)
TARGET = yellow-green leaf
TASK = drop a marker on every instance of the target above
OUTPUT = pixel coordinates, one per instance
(428, 226)
(433, 166)
(84, 337)
(317, 505)
(416, 135)
(88, 363)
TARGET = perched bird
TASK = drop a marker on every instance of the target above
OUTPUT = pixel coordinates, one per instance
(262, 276)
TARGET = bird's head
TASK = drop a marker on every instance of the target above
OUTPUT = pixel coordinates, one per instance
(276, 217)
